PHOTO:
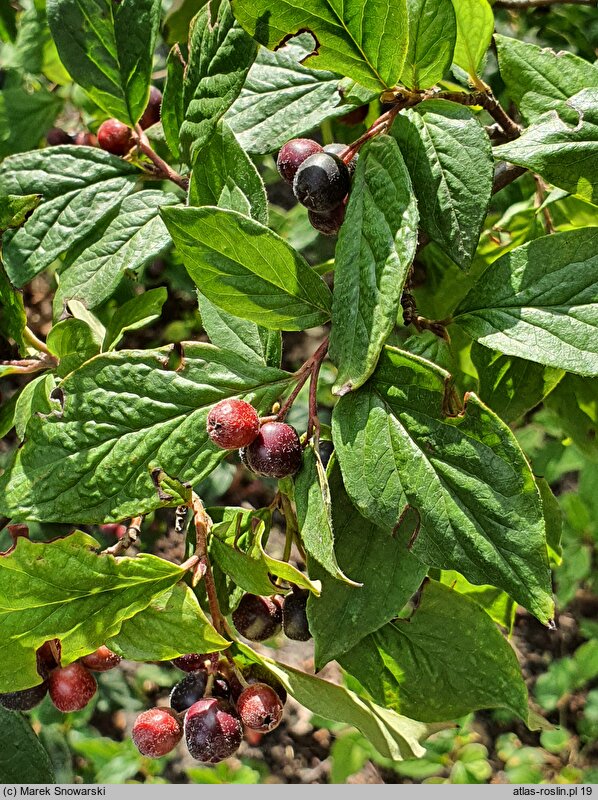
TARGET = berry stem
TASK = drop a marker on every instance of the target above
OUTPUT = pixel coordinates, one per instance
(303, 374)
(292, 526)
(165, 169)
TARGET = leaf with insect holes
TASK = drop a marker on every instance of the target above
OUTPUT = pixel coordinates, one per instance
(172, 625)
(375, 249)
(375, 557)
(446, 660)
(14, 209)
(366, 41)
(465, 475)
(65, 590)
(126, 413)
(540, 302)
(108, 48)
(247, 270)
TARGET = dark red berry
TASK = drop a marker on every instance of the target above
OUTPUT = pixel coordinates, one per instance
(260, 708)
(221, 688)
(354, 117)
(157, 732)
(213, 730)
(26, 699)
(189, 690)
(86, 138)
(57, 136)
(194, 661)
(257, 618)
(115, 137)
(48, 657)
(151, 115)
(256, 673)
(338, 149)
(330, 222)
(322, 182)
(232, 423)
(101, 660)
(293, 154)
(276, 451)
(71, 688)
(294, 615)
(114, 529)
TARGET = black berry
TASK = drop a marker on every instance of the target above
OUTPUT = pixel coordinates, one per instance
(194, 661)
(26, 699)
(321, 182)
(71, 688)
(337, 149)
(256, 673)
(293, 154)
(257, 618)
(232, 423)
(57, 136)
(260, 708)
(276, 451)
(157, 732)
(213, 730)
(294, 615)
(189, 690)
(330, 222)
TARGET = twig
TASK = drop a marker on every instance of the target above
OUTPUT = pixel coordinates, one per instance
(488, 101)
(203, 525)
(129, 538)
(313, 423)
(292, 526)
(165, 169)
(411, 317)
(504, 174)
(519, 4)
(541, 188)
(27, 366)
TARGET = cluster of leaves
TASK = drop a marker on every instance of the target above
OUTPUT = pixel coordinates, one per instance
(423, 485)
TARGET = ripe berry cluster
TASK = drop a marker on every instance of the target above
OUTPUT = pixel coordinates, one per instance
(70, 688)
(212, 707)
(113, 136)
(320, 179)
(272, 449)
(259, 618)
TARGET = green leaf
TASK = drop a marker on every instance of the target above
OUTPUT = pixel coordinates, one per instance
(8, 22)
(247, 270)
(497, 604)
(81, 186)
(450, 161)
(108, 48)
(564, 153)
(34, 399)
(65, 590)
(22, 757)
(135, 313)
(172, 111)
(26, 114)
(240, 336)
(465, 475)
(238, 550)
(512, 386)
(14, 210)
(379, 558)
(314, 513)
(553, 517)
(446, 660)
(172, 625)
(394, 736)
(125, 414)
(176, 23)
(282, 99)
(432, 38)
(374, 253)
(539, 302)
(540, 80)
(7, 411)
(226, 177)
(13, 320)
(220, 55)
(73, 342)
(575, 405)
(475, 24)
(364, 41)
(135, 237)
